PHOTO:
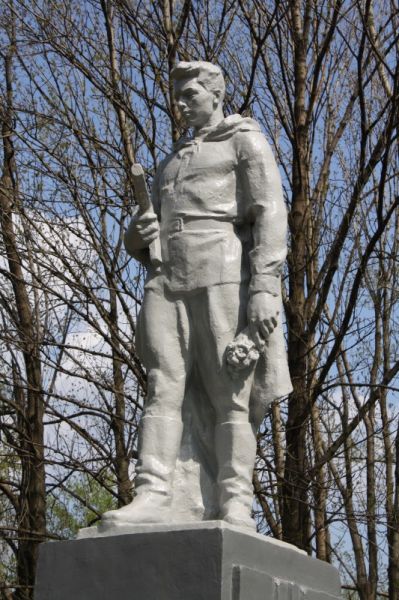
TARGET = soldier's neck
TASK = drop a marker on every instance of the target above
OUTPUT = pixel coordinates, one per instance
(212, 122)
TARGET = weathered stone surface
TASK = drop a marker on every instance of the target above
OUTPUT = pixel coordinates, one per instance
(210, 331)
(209, 560)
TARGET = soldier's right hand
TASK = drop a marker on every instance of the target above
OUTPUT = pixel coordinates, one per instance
(147, 227)
(143, 229)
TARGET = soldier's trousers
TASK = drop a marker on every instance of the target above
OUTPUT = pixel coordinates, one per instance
(180, 332)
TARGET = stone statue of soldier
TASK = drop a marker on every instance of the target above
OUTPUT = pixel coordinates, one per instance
(209, 332)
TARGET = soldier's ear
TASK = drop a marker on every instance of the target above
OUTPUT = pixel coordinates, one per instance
(216, 100)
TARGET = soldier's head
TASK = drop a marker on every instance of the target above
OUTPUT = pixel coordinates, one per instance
(199, 90)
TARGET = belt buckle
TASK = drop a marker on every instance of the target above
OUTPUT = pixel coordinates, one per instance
(177, 225)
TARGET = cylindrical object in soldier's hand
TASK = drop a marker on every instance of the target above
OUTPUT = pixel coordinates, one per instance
(144, 201)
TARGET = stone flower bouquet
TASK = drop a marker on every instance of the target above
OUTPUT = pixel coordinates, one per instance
(241, 353)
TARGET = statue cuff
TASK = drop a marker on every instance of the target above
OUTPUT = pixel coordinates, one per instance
(260, 266)
(262, 282)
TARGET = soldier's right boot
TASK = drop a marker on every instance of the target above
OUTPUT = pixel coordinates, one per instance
(159, 444)
(235, 445)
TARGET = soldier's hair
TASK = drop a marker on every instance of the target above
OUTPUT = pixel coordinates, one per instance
(210, 76)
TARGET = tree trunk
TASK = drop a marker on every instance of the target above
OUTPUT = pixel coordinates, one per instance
(295, 517)
(393, 526)
(32, 499)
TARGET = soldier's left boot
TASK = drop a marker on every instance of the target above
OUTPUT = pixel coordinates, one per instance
(235, 445)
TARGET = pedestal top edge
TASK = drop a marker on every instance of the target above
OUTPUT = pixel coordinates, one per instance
(126, 529)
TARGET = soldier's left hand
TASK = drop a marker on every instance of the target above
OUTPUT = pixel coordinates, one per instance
(263, 310)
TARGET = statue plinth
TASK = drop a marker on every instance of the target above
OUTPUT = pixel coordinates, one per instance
(209, 560)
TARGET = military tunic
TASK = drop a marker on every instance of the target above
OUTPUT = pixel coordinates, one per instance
(206, 194)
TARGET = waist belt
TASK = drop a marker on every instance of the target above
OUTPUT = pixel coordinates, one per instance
(180, 224)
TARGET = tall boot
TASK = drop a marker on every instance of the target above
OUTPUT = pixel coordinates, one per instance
(159, 443)
(235, 445)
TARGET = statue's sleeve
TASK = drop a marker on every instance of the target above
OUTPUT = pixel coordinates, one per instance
(265, 209)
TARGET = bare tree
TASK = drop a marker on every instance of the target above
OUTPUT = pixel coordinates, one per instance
(28, 403)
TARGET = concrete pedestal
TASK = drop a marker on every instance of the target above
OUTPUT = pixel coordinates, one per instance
(204, 561)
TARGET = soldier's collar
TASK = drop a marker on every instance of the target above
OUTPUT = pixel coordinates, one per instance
(222, 131)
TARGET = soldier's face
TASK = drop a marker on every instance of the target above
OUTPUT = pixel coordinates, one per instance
(195, 103)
